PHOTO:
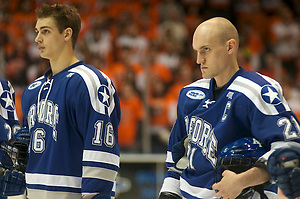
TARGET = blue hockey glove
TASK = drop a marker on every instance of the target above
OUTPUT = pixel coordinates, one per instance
(5, 160)
(12, 183)
(178, 152)
(284, 169)
(22, 136)
(21, 142)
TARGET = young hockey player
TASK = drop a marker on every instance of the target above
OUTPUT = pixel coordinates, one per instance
(72, 113)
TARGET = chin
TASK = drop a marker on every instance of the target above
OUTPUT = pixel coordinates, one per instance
(205, 76)
(42, 55)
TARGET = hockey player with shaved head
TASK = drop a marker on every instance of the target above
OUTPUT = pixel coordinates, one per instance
(226, 105)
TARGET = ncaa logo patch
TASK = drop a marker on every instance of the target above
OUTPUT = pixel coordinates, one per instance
(103, 95)
(6, 101)
(195, 94)
(270, 95)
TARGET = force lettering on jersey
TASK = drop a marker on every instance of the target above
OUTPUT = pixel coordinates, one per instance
(201, 134)
(46, 112)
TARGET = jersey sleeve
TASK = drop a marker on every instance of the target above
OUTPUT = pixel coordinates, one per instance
(96, 111)
(171, 181)
(9, 123)
(272, 121)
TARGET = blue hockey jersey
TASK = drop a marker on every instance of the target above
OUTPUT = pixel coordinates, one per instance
(250, 105)
(9, 123)
(73, 120)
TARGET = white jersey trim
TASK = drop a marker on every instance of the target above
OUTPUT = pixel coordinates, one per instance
(93, 84)
(3, 110)
(99, 173)
(35, 193)
(99, 156)
(197, 192)
(276, 85)
(203, 83)
(169, 157)
(53, 180)
(252, 91)
(112, 89)
(171, 185)
(277, 145)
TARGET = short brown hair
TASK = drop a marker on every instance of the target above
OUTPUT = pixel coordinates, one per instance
(64, 15)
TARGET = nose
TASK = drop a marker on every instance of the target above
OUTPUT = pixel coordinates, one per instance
(37, 38)
(200, 59)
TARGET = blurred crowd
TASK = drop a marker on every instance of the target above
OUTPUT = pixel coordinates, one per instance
(144, 46)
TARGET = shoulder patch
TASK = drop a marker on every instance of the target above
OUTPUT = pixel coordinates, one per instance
(195, 94)
(270, 95)
(103, 95)
(34, 85)
(6, 101)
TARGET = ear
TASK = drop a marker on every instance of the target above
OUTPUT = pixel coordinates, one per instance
(231, 46)
(68, 32)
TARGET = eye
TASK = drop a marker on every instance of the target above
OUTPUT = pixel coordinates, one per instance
(45, 31)
(204, 50)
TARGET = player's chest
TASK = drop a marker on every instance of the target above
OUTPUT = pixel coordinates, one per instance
(212, 110)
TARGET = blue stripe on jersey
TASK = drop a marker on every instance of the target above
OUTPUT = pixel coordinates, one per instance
(102, 165)
(53, 188)
(105, 185)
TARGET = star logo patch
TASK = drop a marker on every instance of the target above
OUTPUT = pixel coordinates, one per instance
(270, 95)
(6, 101)
(103, 95)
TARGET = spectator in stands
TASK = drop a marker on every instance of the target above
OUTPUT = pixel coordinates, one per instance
(138, 44)
(287, 42)
(159, 104)
(292, 94)
(98, 40)
(132, 114)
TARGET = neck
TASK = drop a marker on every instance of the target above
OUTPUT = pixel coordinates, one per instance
(61, 62)
(221, 80)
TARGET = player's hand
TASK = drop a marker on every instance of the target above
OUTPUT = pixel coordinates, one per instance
(283, 167)
(178, 153)
(12, 183)
(229, 186)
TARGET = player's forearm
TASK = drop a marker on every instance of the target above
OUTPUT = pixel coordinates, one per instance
(254, 176)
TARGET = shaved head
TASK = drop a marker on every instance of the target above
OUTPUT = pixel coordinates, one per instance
(216, 42)
(219, 28)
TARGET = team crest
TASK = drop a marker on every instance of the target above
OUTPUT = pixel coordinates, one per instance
(7, 101)
(103, 95)
(270, 95)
